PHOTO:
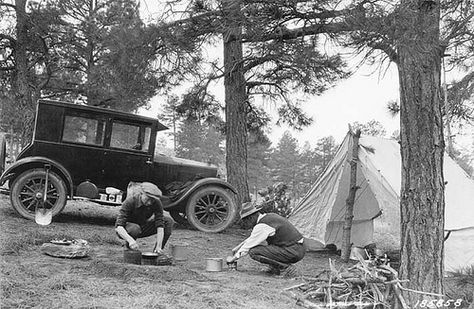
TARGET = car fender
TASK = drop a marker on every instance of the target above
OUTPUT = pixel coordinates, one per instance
(199, 184)
(23, 164)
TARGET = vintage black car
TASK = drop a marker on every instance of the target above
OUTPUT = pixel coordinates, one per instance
(89, 152)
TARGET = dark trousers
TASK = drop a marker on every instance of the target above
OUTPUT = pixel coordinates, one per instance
(276, 256)
(149, 228)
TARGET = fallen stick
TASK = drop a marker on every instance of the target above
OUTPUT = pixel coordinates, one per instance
(314, 279)
(395, 281)
(314, 294)
(340, 305)
(419, 292)
(334, 285)
(360, 281)
(294, 286)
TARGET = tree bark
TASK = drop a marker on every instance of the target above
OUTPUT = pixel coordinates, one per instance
(422, 148)
(235, 101)
(21, 89)
(346, 231)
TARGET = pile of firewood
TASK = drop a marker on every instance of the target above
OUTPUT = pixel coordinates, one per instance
(368, 284)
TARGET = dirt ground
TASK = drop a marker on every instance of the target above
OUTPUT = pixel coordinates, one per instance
(30, 279)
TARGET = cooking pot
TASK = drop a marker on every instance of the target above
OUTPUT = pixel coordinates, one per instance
(214, 264)
(132, 256)
(179, 252)
(149, 258)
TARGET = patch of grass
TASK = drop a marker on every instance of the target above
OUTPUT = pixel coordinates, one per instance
(126, 272)
(25, 240)
(21, 285)
(28, 236)
(62, 282)
(105, 238)
(461, 286)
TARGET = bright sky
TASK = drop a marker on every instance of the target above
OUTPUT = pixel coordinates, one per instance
(362, 97)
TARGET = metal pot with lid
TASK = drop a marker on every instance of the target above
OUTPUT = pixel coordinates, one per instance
(149, 258)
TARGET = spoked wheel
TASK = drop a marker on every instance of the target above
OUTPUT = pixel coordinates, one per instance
(179, 217)
(211, 209)
(28, 189)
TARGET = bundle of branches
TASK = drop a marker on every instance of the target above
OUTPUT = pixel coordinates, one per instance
(367, 284)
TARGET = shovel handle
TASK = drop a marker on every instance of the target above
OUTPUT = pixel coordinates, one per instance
(47, 167)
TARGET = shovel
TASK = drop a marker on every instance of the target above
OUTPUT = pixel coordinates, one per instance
(44, 216)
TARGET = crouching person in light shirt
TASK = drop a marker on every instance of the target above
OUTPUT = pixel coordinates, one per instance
(284, 243)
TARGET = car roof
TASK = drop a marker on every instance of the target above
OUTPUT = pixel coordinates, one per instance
(109, 111)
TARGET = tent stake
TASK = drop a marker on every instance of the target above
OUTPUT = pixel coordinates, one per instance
(346, 236)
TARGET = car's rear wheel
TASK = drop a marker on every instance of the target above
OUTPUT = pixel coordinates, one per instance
(28, 189)
(211, 209)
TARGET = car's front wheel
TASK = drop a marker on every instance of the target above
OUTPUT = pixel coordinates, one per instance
(211, 209)
(28, 190)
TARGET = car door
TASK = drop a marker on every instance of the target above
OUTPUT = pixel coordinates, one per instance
(81, 146)
(129, 154)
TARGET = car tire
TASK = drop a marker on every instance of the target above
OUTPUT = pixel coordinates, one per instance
(211, 209)
(28, 188)
(3, 152)
(179, 217)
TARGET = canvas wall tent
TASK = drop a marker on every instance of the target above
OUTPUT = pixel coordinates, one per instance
(320, 214)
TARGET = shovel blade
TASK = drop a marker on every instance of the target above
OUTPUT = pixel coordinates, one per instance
(43, 216)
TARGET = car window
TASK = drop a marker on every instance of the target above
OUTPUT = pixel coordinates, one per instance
(83, 130)
(128, 136)
(146, 139)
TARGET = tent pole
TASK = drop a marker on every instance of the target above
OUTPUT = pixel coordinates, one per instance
(346, 236)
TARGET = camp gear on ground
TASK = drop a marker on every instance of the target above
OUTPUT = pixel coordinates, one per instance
(77, 248)
(149, 258)
(319, 216)
(156, 259)
(132, 256)
(214, 264)
(179, 252)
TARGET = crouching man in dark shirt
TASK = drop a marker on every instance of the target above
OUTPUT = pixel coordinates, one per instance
(141, 215)
(284, 243)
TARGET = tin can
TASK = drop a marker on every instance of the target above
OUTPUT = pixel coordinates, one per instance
(214, 264)
(179, 252)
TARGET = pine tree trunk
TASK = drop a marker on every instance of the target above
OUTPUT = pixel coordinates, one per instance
(235, 101)
(21, 87)
(422, 148)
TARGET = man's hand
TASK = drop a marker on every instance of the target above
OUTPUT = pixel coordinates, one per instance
(234, 250)
(122, 232)
(157, 249)
(133, 245)
(231, 259)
